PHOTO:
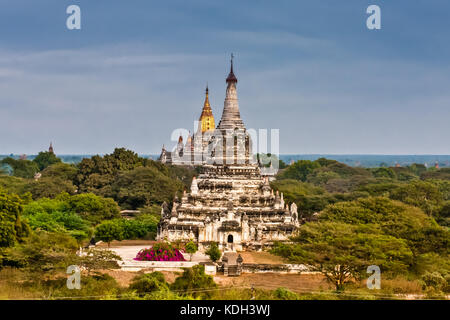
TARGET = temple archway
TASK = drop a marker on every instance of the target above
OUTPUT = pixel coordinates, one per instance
(230, 238)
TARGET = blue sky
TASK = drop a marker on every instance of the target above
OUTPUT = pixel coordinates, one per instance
(137, 70)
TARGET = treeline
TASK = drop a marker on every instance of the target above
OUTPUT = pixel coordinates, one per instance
(395, 218)
(313, 185)
(85, 200)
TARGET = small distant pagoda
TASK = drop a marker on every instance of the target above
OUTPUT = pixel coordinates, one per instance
(50, 149)
(230, 202)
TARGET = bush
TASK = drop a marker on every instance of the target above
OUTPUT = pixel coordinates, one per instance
(434, 280)
(285, 294)
(213, 252)
(149, 282)
(160, 251)
(190, 248)
(109, 231)
(194, 278)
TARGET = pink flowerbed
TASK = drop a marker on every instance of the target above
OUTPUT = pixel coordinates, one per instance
(160, 252)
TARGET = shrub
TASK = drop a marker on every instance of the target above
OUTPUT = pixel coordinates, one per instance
(194, 278)
(160, 251)
(149, 282)
(434, 280)
(213, 252)
(190, 248)
(109, 231)
(285, 294)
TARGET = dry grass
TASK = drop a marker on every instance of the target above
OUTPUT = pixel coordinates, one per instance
(10, 288)
(271, 281)
(400, 285)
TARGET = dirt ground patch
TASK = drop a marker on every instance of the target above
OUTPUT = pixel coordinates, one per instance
(270, 281)
(262, 257)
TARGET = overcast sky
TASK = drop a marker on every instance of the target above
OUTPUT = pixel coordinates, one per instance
(137, 70)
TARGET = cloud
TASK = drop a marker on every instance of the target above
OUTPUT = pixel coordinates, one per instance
(92, 99)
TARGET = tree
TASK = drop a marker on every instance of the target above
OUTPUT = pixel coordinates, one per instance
(424, 195)
(144, 186)
(12, 228)
(191, 248)
(43, 251)
(92, 207)
(193, 279)
(53, 215)
(213, 252)
(98, 172)
(149, 282)
(22, 168)
(383, 172)
(342, 252)
(299, 170)
(60, 170)
(45, 159)
(109, 231)
(99, 259)
(49, 187)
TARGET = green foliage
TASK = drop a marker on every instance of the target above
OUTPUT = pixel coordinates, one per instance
(434, 280)
(96, 286)
(49, 187)
(45, 159)
(22, 168)
(383, 173)
(43, 251)
(12, 228)
(443, 215)
(97, 173)
(424, 195)
(54, 215)
(285, 294)
(138, 228)
(149, 282)
(13, 184)
(120, 229)
(92, 207)
(191, 248)
(268, 159)
(132, 181)
(213, 252)
(298, 170)
(194, 279)
(441, 174)
(418, 168)
(404, 174)
(392, 218)
(60, 170)
(109, 230)
(144, 186)
(342, 252)
(99, 259)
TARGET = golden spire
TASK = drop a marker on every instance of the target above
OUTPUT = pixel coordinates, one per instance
(206, 104)
(207, 118)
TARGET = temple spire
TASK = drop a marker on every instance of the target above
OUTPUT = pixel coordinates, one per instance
(231, 117)
(206, 118)
(231, 77)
